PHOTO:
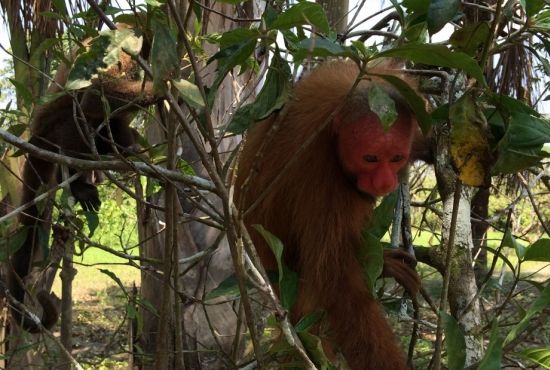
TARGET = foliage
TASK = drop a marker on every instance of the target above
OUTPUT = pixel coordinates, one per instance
(494, 130)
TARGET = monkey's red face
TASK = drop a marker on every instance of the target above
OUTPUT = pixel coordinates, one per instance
(373, 156)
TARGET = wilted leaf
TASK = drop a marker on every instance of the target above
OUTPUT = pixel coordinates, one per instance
(469, 144)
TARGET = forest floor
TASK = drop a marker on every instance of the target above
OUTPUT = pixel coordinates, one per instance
(101, 339)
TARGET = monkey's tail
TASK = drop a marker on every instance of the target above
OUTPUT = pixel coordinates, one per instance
(35, 173)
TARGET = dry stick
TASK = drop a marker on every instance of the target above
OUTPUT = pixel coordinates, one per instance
(436, 360)
(105, 165)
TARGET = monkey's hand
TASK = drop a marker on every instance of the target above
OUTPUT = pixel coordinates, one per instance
(399, 265)
(86, 194)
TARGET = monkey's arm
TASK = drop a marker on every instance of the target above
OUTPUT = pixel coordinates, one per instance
(399, 265)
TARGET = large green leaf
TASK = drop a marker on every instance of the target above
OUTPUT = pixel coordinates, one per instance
(272, 97)
(382, 104)
(371, 253)
(302, 13)
(103, 52)
(539, 251)
(416, 103)
(455, 342)
(164, 56)
(288, 279)
(540, 304)
(493, 355)
(236, 47)
(440, 12)
(521, 145)
(436, 55)
(539, 356)
(322, 47)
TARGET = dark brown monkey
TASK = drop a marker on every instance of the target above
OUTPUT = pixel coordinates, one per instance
(335, 159)
(65, 125)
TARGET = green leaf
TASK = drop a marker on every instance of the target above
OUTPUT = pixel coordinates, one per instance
(13, 243)
(416, 103)
(493, 355)
(236, 47)
(164, 56)
(436, 55)
(382, 105)
(532, 7)
(455, 343)
(190, 93)
(92, 219)
(470, 38)
(539, 251)
(308, 321)
(383, 216)
(322, 47)
(22, 91)
(272, 97)
(419, 6)
(520, 148)
(288, 279)
(115, 278)
(371, 253)
(314, 347)
(509, 241)
(539, 356)
(102, 53)
(440, 12)
(303, 13)
(17, 129)
(229, 287)
(540, 304)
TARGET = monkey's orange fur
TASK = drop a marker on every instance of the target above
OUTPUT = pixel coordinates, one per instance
(318, 212)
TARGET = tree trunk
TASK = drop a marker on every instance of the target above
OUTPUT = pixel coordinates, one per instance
(209, 330)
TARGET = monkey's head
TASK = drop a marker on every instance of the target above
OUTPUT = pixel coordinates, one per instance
(371, 155)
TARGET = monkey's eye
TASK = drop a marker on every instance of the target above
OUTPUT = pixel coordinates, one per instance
(398, 158)
(370, 158)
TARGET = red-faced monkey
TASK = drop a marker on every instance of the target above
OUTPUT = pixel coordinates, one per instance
(337, 158)
(74, 124)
